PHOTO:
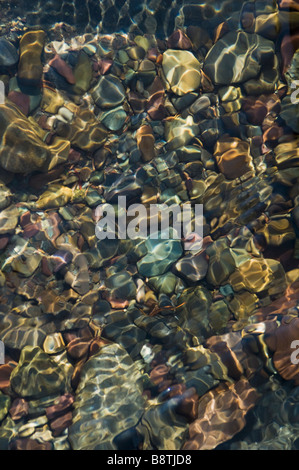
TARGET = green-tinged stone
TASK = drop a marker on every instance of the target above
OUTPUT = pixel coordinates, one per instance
(237, 57)
(113, 119)
(83, 74)
(161, 254)
(110, 387)
(164, 284)
(21, 150)
(36, 375)
(5, 402)
(109, 92)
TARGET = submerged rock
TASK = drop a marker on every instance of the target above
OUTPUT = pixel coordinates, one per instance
(181, 70)
(30, 68)
(21, 149)
(238, 57)
(37, 375)
(108, 400)
(8, 54)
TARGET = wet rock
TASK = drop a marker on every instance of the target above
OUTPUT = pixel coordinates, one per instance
(238, 57)
(112, 370)
(21, 149)
(109, 92)
(179, 131)
(9, 218)
(181, 70)
(193, 267)
(233, 157)
(207, 431)
(83, 74)
(161, 254)
(30, 68)
(18, 409)
(8, 54)
(146, 142)
(114, 119)
(36, 375)
(63, 69)
(4, 405)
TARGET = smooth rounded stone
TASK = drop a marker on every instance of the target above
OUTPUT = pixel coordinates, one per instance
(136, 52)
(146, 142)
(37, 375)
(83, 74)
(162, 426)
(90, 49)
(193, 267)
(238, 57)
(181, 70)
(27, 262)
(179, 132)
(259, 275)
(30, 68)
(219, 315)
(114, 119)
(9, 218)
(109, 92)
(233, 157)
(63, 69)
(267, 80)
(121, 286)
(54, 343)
(77, 275)
(161, 254)
(108, 399)
(164, 284)
(8, 54)
(125, 185)
(193, 312)
(21, 148)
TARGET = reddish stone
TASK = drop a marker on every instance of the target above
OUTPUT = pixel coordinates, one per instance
(18, 409)
(96, 345)
(45, 267)
(5, 371)
(3, 242)
(60, 424)
(280, 343)
(289, 45)
(188, 406)
(25, 219)
(155, 105)
(272, 134)
(61, 67)
(137, 102)
(153, 54)
(74, 156)
(105, 65)
(179, 40)
(29, 444)
(30, 230)
(63, 406)
(21, 100)
(289, 4)
(212, 426)
(78, 348)
(159, 373)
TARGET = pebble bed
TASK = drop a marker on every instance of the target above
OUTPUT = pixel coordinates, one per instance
(121, 344)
